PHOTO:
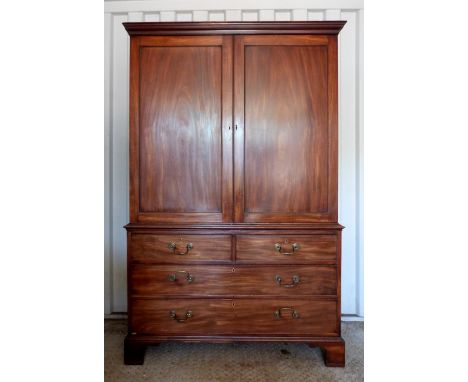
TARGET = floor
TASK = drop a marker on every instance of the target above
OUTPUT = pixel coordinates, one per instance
(176, 362)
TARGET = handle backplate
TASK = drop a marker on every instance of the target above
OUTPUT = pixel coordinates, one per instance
(294, 312)
(294, 247)
(295, 280)
(188, 314)
(173, 246)
(188, 276)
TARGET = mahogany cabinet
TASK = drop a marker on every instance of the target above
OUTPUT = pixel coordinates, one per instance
(233, 232)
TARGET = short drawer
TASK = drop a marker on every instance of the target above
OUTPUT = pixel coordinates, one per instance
(234, 316)
(179, 248)
(152, 280)
(251, 249)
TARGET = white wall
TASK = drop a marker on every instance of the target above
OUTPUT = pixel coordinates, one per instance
(350, 120)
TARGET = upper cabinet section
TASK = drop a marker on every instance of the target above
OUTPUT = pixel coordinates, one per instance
(285, 109)
(181, 156)
(233, 122)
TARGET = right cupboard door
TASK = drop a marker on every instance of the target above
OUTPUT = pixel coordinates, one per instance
(286, 127)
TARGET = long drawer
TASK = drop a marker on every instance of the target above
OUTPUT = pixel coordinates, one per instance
(285, 249)
(145, 247)
(234, 316)
(151, 280)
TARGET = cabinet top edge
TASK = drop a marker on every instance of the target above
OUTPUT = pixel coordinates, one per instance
(238, 27)
(239, 226)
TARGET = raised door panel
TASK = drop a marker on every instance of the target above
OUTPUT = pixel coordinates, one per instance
(286, 138)
(181, 136)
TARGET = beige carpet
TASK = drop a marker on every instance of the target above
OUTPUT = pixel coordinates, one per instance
(176, 362)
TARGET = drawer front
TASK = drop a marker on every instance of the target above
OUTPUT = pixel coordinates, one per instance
(150, 280)
(180, 248)
(234, 317)
(286, 249)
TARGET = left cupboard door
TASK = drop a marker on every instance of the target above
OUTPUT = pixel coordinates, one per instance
(181, 129)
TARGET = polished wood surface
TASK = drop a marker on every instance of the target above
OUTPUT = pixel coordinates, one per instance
(312, 228)
(234, 316)
(232, 280)
(334, 353)
(233, 232)
(253, 249)
(180, 121)
(283, 148)
(232, 28)
(151, 248)
(285, 126)
(181, 136)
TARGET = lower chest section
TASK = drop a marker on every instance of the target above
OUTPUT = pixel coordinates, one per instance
(239, 283)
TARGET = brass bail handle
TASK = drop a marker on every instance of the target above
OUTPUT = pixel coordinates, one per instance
(295, 281)
(188, 276)
(173, 246)
(188, 314)
(295, 247)
(294, 312)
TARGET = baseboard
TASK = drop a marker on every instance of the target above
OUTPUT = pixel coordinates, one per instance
(123, 315)
(351, 317)
(115, 316)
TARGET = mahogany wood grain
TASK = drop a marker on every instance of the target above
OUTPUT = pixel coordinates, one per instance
(155, 248)
(231, 280)
(333, 353)
(239, 68)
(228, 129)
(180, 134)
(181, 170)
(338, 279)
(254, 249)
(233, 28)
(234, 316)
(332, 90)
(312, 228)
(282, 165)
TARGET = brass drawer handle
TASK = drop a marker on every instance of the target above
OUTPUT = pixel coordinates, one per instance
(295, 247)
(173, 246)
(188, 276)
(173, 315)
(294, 312)
(295, 281)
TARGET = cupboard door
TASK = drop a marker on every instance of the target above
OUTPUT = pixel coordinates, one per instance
(285, 113)
(181, 129)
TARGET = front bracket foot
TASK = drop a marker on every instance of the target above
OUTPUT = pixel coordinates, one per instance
(334, 354)
(134, 352)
